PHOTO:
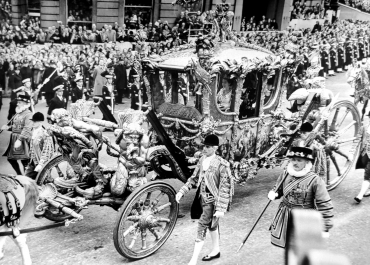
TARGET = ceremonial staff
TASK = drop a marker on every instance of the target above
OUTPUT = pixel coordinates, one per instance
(324, 116)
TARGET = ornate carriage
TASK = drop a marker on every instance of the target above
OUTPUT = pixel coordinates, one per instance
(234, 90)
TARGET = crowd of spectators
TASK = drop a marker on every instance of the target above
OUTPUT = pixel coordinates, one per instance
(362, 5)
(264, 24)
(136, 28)
(301, 10)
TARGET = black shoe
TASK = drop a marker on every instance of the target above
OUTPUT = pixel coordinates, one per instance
(208, 258)
(180, 215)
(357, 200)
(367, 194)
(352, 96)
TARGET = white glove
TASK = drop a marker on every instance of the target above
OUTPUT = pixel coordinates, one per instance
(179, 196)
(5, 127)
(272, 195)
(325, 234)
(17, 144)
(38, 168)
(219, 214)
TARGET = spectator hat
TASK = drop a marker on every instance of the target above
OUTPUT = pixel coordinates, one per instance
(60, 87)
(24, 97)
(38, 116)
(26, 80)
(110, 65)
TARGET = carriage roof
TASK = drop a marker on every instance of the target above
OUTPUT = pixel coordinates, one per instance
(223, 51)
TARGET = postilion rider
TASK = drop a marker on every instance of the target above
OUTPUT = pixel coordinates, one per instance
(213, 179)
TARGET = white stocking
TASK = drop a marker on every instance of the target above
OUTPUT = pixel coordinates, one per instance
(364, 187)
(215, 243)
(22, 245)
(2, 242)
(197, 249)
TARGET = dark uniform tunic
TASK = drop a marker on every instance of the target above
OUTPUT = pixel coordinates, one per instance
(349, 55)
(361, 51)
(333, 59)
(57, 103)
(341, 59)
(325, 61)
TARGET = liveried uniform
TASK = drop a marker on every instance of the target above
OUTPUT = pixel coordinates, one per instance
(41, 150)
(214, 182)
(22, 130)
(306, 192)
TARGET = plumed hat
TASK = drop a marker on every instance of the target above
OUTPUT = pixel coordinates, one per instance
(211, 140)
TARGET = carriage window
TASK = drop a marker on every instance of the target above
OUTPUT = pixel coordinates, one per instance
(224, 95)
(271, 89)
(249, 96)
(176, 88)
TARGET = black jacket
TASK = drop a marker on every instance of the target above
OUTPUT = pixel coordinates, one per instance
(56, 103)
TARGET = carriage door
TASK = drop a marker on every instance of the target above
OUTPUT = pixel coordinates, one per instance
(249, 109)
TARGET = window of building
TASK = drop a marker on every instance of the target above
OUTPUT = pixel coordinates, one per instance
(137, 12)
(79, 12)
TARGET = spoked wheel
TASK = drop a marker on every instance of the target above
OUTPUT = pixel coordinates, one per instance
(342, 141)
(56, 167)
(146, 220)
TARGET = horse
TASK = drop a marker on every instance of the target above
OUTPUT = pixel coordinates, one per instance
(18, 198)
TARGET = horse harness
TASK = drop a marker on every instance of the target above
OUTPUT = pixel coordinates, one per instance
(9, 183)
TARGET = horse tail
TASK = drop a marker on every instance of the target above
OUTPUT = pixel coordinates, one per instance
(31, 191)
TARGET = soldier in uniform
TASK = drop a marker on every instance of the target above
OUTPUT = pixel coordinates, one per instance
(212, 177)
(367, 48)
(18, 147)
(109, 93)
(355, 49)
(333, 60)
(302, 189)
(78, 92)
(361, 48)
(41, 148)
(58, 102)
(349, 54)
(341, 57)
(325, 62)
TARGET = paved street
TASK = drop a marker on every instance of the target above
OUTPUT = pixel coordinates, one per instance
(90, 241)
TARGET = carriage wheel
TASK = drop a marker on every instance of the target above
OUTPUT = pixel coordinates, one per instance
(56, 167)
(342, 141)
(146, 220)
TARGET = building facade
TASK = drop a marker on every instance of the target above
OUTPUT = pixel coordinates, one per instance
(102, 12)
